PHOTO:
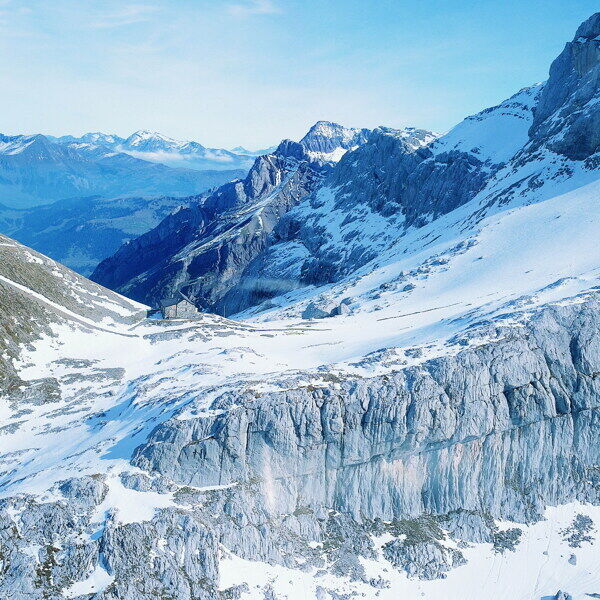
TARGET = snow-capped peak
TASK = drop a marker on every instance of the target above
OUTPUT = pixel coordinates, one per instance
(97, 137)
(328, 141)
(145, 138)
(15, 144)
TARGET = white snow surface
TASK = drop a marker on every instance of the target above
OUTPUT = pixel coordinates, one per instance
(97, 582)
(537, 570)
(494, 134)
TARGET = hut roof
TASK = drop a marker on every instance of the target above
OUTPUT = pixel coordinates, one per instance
(173, 300)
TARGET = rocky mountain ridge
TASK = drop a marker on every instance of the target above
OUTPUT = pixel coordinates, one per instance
(155, 147)
(203, 249)
(518, 151)
(327, 141)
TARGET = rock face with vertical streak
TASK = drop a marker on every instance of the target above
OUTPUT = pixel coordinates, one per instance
(427, 458)
(477, 431)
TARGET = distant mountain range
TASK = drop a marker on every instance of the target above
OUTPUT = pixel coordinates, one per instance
(36, 169)
(242, 150)
(221, 233)
(158, 148)
(80, 232)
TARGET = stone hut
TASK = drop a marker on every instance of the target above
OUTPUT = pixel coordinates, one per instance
(176, 307)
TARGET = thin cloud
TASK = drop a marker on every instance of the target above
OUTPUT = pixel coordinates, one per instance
(253, 7)
(8, 10)
(126, 15)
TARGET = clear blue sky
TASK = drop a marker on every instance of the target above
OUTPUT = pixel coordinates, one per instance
(250, 72)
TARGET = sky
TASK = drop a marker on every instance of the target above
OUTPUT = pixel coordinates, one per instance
(252, 72)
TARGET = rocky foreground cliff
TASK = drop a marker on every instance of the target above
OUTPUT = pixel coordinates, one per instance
(365, 484)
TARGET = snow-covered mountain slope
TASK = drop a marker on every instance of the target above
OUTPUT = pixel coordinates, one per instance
(277, 453)
(495, 159)
(38, 294)
(397, 182)
(37, 170)
(203, 250)
(424, 425)
(496, 134)
(81, 232)
(354, 217)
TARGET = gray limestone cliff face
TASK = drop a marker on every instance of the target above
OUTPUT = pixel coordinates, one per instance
(504, 429)
(310, 476)
(568, 112)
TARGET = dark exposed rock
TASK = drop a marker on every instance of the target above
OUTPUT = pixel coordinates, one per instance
(568, 112)
(203, 249)
(579, 532)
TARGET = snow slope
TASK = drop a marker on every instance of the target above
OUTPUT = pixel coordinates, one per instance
(537, 569)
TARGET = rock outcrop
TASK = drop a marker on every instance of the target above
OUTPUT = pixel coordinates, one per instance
(567, 113)
(423, 459)
(451, 434)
